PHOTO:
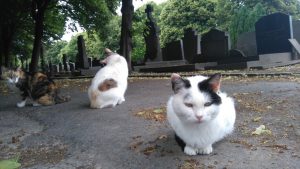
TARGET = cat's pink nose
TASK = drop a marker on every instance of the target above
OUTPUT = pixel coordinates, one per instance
(199, 118)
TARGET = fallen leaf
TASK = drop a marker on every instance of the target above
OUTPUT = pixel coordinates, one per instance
(149, 150)
(162, 137)
(262, 130)
(158, 110)
(135, 145)
(9, 164)
(256, 119)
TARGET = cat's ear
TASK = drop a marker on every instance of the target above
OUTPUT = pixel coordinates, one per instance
(19, 68)
(215, 82)
(178, 83)
(107, 52)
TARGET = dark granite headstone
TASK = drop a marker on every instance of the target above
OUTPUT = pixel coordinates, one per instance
(173, 51)
(82, 60)
(96, 62)
(55, 69)
(50, 68)
(191, 45)
(65, 62)
(296, 29)
(90, 60)
(214, 45)
(151, 36)
(60, 67)
(273, 32)
(72, 66)
(246, 43)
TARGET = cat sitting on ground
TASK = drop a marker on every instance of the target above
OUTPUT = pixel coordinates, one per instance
(110, 83)
(36, 87)
(199, 112)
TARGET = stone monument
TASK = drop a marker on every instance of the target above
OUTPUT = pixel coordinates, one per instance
(82, 60)
(151, 36)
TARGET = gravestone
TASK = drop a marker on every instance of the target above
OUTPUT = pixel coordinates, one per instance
(60, 67)
(246, 43)
(96, 62)
(65, 62)
(82, 60)
(72, 66)
(191, 45)
(55, 69)
(273, 32)
(173, 51)
(50, 68)
(151, 36)
(296, 29)
(90, 60)
(214, 46)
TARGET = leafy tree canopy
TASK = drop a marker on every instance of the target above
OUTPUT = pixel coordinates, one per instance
(179, 15)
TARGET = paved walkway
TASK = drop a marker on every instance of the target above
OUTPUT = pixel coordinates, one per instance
(135, 135)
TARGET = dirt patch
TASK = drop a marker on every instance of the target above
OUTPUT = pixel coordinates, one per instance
(43, 155)
(140, 145)
(82, 84)
(156, 114)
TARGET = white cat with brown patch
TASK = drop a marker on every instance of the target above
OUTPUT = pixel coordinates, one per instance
(199, 112)
(110, 83)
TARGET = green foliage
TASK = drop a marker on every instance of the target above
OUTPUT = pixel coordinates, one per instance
(179, 15)
(227, 10)
(94, 48)
(244, 21)
(54, 53)
(113, 32)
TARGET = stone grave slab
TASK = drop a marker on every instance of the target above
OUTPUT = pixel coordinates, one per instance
(273, 32)
(191, 45)
(173, 51)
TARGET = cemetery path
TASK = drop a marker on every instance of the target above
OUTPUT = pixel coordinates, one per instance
(136, 134)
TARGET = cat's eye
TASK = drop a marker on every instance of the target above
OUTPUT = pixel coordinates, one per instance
(188, 105)
(207, 104)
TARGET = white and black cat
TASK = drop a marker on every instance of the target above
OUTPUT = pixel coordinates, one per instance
(199, 112)
(110, 83)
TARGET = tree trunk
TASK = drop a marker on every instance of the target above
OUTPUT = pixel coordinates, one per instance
(126, 41)
(38, 7)
(6, 42)
(42, 58)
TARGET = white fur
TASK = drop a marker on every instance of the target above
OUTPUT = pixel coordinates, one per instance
(217, 120)
(21, 103)
(116, 69)
(11, 83)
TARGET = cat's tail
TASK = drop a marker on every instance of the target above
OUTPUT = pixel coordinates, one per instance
(62, 99)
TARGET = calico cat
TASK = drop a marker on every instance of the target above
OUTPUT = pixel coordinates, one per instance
(199, 112)
(37, 87)
(110, 83)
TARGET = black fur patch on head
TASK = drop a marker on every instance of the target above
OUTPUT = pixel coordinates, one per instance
(204, 86)
(180, 83)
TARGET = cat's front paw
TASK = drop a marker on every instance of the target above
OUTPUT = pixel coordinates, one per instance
(21, 104)
(190, 151)
(206, 150)
(120, 101)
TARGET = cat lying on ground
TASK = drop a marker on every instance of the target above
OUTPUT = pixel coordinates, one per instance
(110, 83)
(199, 112)
(36, 87)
